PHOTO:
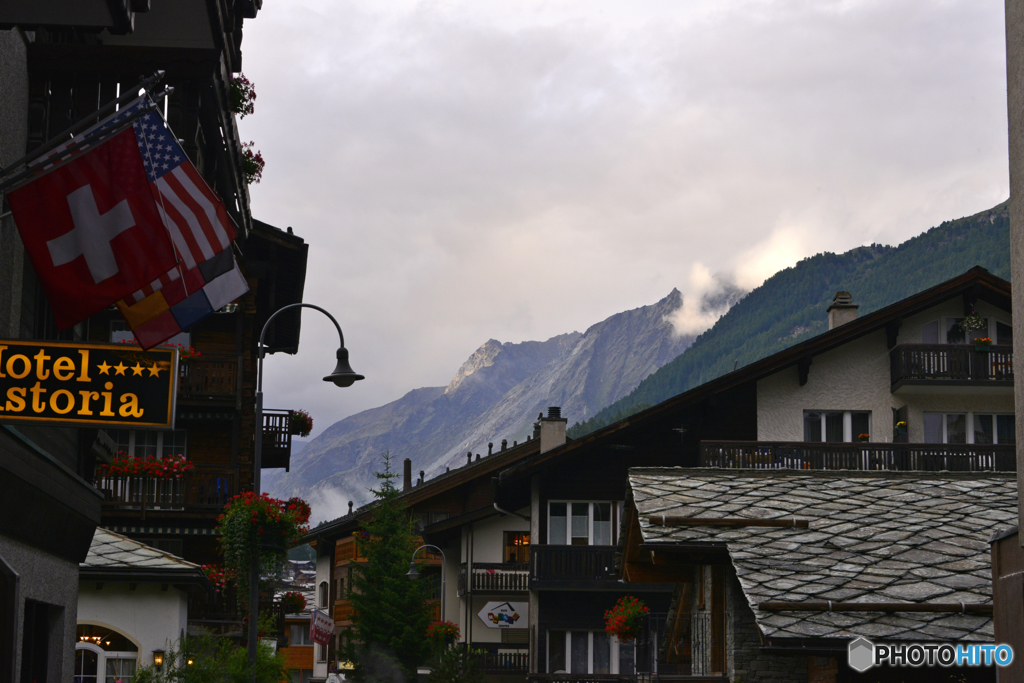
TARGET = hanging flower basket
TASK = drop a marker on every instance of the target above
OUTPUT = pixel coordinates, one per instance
(973, 322)
(300, 423)
(443, 633)
(260, 527)
(219, 576)
(293, 602)
(625, 620)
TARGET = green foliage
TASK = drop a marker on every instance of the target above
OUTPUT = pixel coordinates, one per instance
(456, 665)
(214, 660)
(390, 613)
(258, 527)
(790, 306)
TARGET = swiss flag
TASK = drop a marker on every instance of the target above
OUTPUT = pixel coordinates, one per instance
(93, 230)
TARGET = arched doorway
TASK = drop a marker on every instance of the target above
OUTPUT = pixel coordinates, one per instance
(104, 655)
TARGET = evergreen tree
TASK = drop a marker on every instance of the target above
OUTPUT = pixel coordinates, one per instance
(391, 616)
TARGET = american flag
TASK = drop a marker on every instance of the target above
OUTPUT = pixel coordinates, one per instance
(195, 217)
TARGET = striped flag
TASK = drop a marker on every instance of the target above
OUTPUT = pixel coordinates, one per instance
(207, 276)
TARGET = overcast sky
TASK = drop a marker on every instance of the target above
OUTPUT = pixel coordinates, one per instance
(517, 169)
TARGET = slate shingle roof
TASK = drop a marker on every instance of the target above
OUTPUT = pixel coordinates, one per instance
(872, 537)
(111, 550)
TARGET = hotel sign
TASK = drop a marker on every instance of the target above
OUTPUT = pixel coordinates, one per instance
(100, 384)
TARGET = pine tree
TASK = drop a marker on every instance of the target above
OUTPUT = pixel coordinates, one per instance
(391, 617)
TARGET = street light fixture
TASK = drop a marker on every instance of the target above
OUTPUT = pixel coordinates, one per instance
(343, 376)
(413, 574)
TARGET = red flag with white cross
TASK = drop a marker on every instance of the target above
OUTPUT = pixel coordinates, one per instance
(93, 230)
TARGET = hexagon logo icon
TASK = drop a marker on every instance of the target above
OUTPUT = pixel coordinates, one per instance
(862, 655)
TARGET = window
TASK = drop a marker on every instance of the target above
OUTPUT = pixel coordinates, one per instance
(1004, 333)
(140, 443)
(103, 655)
(298, 634)
(322, 597)
(930, 332)
(517, 547)
(579, 523)
(321, 653)
(836, 426)
(963, 428)
(588, 652)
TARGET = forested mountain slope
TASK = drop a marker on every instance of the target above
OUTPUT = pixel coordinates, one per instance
(790, 306)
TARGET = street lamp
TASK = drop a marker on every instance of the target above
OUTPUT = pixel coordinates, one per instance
(413, 574)
(343, 376)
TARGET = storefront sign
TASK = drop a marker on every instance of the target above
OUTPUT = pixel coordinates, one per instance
(101, 384)
(321, 627)
(506, 614)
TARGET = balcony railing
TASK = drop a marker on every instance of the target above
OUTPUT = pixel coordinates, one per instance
(799, 455)
(517, 662)
(201, 488)
(951, 362)
(495, 577)
(211, 376)
(277, 438)
(576, 563)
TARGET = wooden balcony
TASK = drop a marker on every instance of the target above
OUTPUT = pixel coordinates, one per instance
(203, 489)
(799, 455)
(213, 377)
(343, 610)
(277, 439)
(950, 364)
(572, 567)
(495, 578)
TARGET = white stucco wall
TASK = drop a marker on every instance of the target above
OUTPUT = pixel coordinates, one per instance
(150, 617)
(856, 377)
(323, 573)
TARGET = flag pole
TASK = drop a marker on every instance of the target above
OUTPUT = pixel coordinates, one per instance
(60, 138)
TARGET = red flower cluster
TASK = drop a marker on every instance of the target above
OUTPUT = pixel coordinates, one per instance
(441, 632)
(293, 602)
(301, 422)
(252, 163)
(289, 517)
(124, 465)
(625, 619)
(219, 576)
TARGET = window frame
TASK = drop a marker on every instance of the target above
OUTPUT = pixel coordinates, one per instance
(116, 434)
(969, 416)
(614, 644)
(615, 508)
(848, 435)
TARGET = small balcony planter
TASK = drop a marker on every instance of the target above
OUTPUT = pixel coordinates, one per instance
(863, 438)
(983, 345)
(300, 423)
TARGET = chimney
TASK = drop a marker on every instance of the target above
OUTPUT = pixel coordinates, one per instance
(552, 429)
(842, 310)
(407, 474)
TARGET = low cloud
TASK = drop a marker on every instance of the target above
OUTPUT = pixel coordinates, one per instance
(711, 295)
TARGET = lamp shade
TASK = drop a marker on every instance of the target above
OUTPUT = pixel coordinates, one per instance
(343, 375)
(158, 657)
(412, 573)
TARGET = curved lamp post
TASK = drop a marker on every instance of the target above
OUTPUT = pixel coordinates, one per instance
(413, 574)
(343, 376)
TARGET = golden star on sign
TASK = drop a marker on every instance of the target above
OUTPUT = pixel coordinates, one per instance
(104, 368)
(137, 369)
(120, 368)
(154, 370)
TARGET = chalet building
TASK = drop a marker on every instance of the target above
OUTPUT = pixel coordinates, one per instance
(902, 389)
(59, 62)
(132, 603)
